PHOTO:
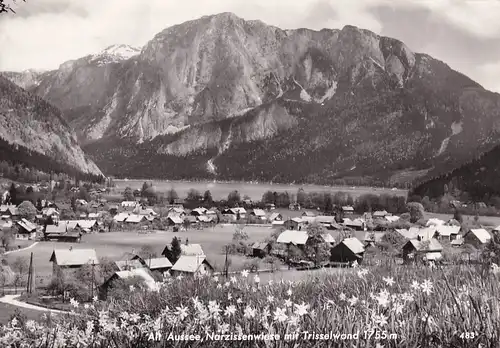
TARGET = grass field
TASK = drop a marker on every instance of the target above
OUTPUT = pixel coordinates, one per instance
(7, 310)
(114, 244)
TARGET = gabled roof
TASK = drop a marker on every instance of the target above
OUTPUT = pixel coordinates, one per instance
(322, 219)
(328, 238)
(27, 225)
(412, 233)
(434, 222)
(175, 219)
(309, 214)
(274, 216)
(447, 231)
(177, 210)
(94, 215)
(86, 224)
(124, 265)
(133, 218)
(69, 224)
(430, 245)
(204, 218)
(127, 256)
(391, 218)
(159, 262)
(347, 208)
(260, 245)
(74, 257)
(189, 263)
(192, 249)
(57, 229)
(427, 233)
(354, 245)
(259, 212)
(199, 211)
(481, 234)
(380, 213)
(148, 211)
(142, 273)
(294, 237)
(297, 220)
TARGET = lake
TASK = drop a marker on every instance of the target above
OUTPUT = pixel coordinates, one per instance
(255, 191)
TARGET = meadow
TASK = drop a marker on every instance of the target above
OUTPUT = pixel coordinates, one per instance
(491, 221)
(253, 190)
(385, 307)
(113, 245)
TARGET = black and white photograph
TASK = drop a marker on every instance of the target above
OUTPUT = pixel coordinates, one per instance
(263, 173)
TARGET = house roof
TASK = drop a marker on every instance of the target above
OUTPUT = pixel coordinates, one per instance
(74, 257)
(427, 233)
(309, 213)
(353, 223)
(27, 225)
(124, 265)
(70, 224)
(142, 273)
(380, 213)
(373, 236)
(127, 256)
(391, 218)
(347, 208)
(328, 238)
(199, 211)
(322, 219)
(178, 210)
(409, 234)
(133, 218)
(121, 217)
(481, 234)
(56, 229)
(434, 256)
(87, 224)
(49, 211)
(260, 245)
(159, 262)
(278, 222)
(189, 263)
(274, 216)
(294, 237)
(204, 218)
(175, 219)
(94, 215)
(192, 249)
(434, 222)
(431, 245)
(447, 231)
(259, 212)
(354, 245)
(147, 211)
(297, 220)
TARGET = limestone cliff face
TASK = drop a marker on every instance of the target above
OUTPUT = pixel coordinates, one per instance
(28, 121)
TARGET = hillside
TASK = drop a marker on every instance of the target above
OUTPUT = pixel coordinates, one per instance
(242, 100)
(33, 134)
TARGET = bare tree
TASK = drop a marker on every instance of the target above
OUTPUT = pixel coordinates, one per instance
(4, 8)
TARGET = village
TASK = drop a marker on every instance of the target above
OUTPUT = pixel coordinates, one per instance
(108, 244)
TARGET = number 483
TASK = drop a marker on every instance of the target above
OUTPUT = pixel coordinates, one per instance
(468, 335)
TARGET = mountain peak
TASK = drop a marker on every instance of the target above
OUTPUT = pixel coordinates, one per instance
(122, 50)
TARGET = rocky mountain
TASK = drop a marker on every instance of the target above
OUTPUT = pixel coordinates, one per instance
(247, 101)
(34, 130)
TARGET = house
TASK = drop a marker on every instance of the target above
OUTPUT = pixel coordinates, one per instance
(205, 219)
(62, 232)
(259, 213)
(176, 210)
(186, 249)
(63, 259)
(477, 237)
(411, 233)
(192, 265)
(348, 250)
(199, 211)
(457, 242)
(144, 211)
(293, 237)
(94, 216)
(347, 210)
(425, 234)
(261, 249)
(142, 273)
(121, 217)
(159, 264)
(129, 204)
(87, 225)
(308, 214)
(26, 229)
(328, 238)
(445, 232)
(356, 224)
(175, 220)
(235, 212)
(50, 212)
(324, 220)
(270, 206)
(372, 238)
(295, 224)
(134, 219)
(294, 206)
(9, 211)
(278, 224)
(380, 214)
(415, 250)
(434, 222)
(275, 217)
(391, 218)
(127, 265)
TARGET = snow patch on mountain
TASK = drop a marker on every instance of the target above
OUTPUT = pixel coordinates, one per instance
(115, 53)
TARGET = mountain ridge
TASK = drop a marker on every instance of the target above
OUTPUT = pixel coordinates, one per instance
(348, 102)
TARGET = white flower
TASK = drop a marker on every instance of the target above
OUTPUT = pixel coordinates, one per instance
(215, 278)
(254, 289)
(383, 298)
(230, 310)
(270, 298)
(249, 312)
(301, 309)
(239, 300)
(214, 308)
(380, 320)
(244, 273)
(131, 288)
(233, 280)
(354, 264)
(223, 328)
(179, 277)
(94, 299)
(289, 292)
(293, 321)
(407, 297)
(13, 322)
(219, 286)
(397, 307)
(74, 302)
(415, 285)
(229, 296)
(280, 315)
(227, 284)
(256, 279)
(86, 306)
(182, 312)
(389, 281)
(362, 273)
(265, 314)
(427, 287)
(353, 300)
(342, 296)
(288, 303)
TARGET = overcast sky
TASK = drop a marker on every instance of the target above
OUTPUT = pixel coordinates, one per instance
(45, 33)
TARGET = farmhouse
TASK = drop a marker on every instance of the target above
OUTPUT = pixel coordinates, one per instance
(258, 213)
(126, 265)
(434, 222)
(138, 273)
(26, 229)
(134, 219)
(233, 213)
(445, 232)
(294, 206)
(159, 264)
(349, 250)
(63, 259)
(425, 234)
(261, 249)
(275, 217)
(64, 231)
(87, 225)
(293, 237)
(175, 221)
(191, 265)
(9, 211)
(308, 214)
(205, 219)
(356, 224)
(380, 214)
(139, 210)
(391, 218)
(121, 217)
(50, 212)
(328, 238)
(295, 224)
(129, 204)
(186, 249)
(372, 238)
(324, 220)
(430, 250)
(477, 237)
(198, 211)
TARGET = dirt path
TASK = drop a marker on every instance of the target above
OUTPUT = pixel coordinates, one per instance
(12, 300)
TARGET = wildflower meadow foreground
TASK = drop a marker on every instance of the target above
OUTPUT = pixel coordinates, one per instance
(394, 307)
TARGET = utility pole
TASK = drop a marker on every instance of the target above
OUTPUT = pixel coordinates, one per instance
(30, 276)
(92, 281)
(226, 265)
